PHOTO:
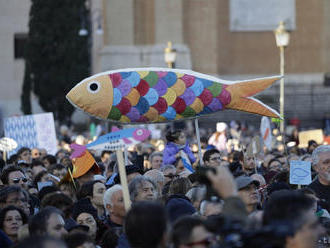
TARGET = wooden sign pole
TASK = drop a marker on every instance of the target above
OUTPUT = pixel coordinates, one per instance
(123, 179)
(198, 142)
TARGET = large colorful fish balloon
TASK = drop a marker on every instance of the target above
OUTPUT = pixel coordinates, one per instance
(151, 95)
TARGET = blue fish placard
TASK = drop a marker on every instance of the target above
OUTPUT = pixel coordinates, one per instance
(300, 172)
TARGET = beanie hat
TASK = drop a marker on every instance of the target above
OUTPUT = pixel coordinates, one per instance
(178, 207)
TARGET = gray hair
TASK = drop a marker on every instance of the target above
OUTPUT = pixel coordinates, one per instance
(135, 185)
(205, 203)
(108, 195)
(155, 175)
(196, 193)
(317, 151)
(154, 154)
(167, 167)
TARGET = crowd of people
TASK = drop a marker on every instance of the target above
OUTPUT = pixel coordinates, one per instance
(218, 196)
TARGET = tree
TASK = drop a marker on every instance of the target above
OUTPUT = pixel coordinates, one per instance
(56, 57)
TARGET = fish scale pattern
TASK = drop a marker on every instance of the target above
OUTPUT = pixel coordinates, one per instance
(22, 130)
(160, 96)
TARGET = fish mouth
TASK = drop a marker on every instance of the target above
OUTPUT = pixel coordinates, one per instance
(71, 101)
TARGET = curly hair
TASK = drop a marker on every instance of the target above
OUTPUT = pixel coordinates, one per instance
(4, 211)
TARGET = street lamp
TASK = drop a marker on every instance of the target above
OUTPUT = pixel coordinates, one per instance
(170, 55)
(282, 40)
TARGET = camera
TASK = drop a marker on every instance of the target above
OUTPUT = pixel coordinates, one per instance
(232, 233)
(200, 174)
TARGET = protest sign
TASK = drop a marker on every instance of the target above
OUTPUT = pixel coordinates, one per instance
(119, 138)
(305, 136)
(254, 147)
(300, 172)
(32, 131)
(266, 132)
(7, 144)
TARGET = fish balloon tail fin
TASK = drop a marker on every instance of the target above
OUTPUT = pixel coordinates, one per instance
(242, 92)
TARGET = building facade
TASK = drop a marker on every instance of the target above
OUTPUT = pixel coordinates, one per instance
(135, 33)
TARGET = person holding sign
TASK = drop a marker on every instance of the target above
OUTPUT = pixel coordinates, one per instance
(321, 162)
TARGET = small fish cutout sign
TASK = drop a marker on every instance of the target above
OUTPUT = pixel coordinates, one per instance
(117, 139)
(151, 95)
(300, 172)
(82, 161)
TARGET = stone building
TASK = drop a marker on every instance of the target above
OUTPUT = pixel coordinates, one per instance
(135, 33)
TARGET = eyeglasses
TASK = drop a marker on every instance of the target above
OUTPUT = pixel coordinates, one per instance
(216, 158)
(18, 179)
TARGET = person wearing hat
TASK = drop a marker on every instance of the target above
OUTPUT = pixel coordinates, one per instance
(84, 165)
(247, 191)
(132, 171)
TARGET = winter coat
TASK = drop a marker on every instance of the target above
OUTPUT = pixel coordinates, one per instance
(171, 149)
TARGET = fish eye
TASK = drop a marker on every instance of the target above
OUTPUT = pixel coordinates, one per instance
(93, 87)
(139, 132)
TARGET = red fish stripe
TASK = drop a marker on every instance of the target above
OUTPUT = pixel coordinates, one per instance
(143, 87)
(116, 79)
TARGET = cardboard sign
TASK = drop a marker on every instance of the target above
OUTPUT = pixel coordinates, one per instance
(7, 144)
(305, 136)
(300, 172)
(32, 131)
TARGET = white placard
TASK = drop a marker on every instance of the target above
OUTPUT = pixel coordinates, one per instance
(7, 144)
(32, 131)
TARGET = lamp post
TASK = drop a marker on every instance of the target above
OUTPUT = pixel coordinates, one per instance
(282, 40)
(170, 55)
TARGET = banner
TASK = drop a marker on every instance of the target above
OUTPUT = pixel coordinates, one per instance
(32, 131)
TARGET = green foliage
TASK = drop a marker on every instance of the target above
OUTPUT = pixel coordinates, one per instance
(57, 58)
